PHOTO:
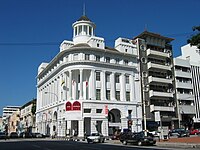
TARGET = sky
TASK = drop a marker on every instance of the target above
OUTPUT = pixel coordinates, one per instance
(31, 32)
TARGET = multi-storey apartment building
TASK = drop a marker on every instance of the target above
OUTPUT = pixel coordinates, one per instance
(27, 117)
(184, 92)
(89, 87)
(192, 54)
(156, 73)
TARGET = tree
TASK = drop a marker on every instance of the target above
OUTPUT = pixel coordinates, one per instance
(195, 38)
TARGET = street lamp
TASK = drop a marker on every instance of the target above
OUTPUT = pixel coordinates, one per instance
(53, 94)
(56, 102)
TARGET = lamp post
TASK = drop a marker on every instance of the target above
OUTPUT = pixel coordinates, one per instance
(56, 100)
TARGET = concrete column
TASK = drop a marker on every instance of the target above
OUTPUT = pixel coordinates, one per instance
(132, 87)
(80, 128)
(92, 88)
(93, 126)
(81, 84)
(103, 86)
(122, 87)
(70, 85)
(112, 86)
(105, 127)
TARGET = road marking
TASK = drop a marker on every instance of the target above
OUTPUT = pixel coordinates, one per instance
(37, 146)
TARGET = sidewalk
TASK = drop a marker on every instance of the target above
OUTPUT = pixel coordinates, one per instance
(186, 142)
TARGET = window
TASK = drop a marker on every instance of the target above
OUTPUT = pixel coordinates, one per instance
(107, 77)
(98, 76)
(76, 31)
(97, 44)
(108, 59)
(128, 96)
(85, 29)
(97, 58)
(117, 60)
(108, 94)
(98, 94)
(87, 56)
(79, 29)
(75, 56)
(87, 110)
(117, 78)
(98, 110)
(126, 62)
(118, 95)
(127, 79)
(90, 30)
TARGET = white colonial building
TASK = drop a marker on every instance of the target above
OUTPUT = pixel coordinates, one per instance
(88, 87)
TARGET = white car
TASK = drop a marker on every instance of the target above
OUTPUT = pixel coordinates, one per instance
(96, 138)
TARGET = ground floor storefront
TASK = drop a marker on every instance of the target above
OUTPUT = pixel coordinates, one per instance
(83, 118)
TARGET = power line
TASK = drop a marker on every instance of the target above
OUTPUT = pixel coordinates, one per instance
(29, 44)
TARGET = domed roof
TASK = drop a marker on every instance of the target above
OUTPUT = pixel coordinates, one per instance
(81, 45)
(83, 18)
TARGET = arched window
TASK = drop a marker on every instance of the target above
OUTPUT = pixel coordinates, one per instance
(76, 105)
(68, 106)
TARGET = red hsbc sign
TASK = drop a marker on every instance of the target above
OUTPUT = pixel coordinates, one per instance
(72, 106)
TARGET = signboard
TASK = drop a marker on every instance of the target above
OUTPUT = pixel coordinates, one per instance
(106, 110)
(157, 116)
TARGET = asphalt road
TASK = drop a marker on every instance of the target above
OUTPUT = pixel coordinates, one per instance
(47, 144)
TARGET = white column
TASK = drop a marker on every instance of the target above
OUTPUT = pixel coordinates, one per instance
(70, 85)
(132, 88)
(93, 126)
(80, 128)
(105, 127)
(92, 88)
(112, 86)
(81, 84)
(103, 86)
(122, 87)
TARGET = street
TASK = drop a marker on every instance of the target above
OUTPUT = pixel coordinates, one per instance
(48, 144)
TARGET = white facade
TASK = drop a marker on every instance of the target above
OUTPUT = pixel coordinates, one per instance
(88, 87)
(8, 110)
(184, 90)
(192, 54)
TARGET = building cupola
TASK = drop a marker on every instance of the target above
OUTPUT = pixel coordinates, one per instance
(83, 29)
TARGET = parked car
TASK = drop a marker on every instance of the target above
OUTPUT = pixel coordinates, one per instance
(137, 138)
(25, 135)
(37, 135)
(96, 138)
(2, 135)
(13, 135)
(179, 132)
(194, 132)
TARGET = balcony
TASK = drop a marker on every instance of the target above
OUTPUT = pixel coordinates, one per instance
(186, 109)
(186, 85)
(185, 97)
(159, 94)
(161, 80)
(158, 66)
(179, 73)
(157, 53)
(161, 108)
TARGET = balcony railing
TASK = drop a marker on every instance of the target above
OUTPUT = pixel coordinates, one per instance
(158, 66)
(187, 109)
(159, 94)
(161, 108)
(157, 53)
(161, 80)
